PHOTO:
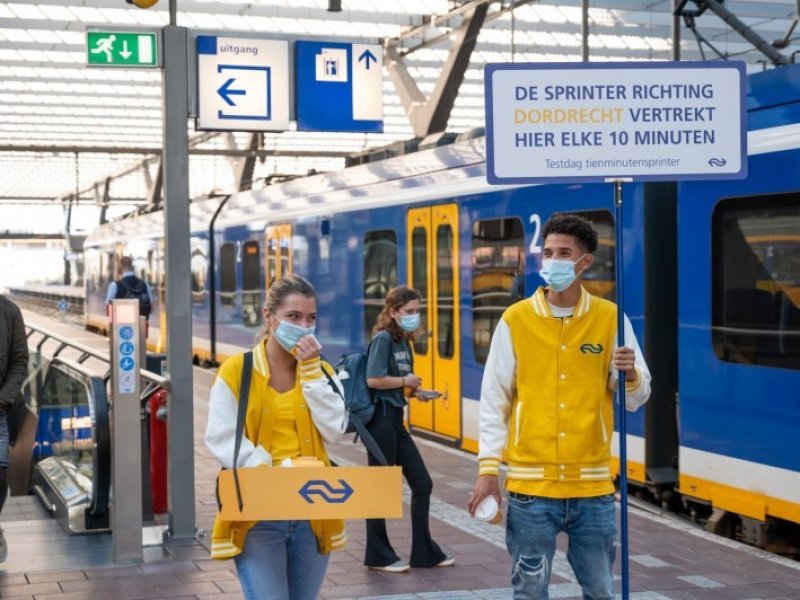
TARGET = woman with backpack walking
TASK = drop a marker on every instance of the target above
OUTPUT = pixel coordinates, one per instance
(390, 373)
(291, 411)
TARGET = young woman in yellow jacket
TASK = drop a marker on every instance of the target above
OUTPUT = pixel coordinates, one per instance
(291, 412)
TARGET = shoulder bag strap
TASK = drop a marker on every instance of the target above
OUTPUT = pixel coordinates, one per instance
(241, 413)
(361, 429)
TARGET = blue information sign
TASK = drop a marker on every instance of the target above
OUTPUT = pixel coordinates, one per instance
(126, 363)
(339, 87)
(126, 348)
(126, 332)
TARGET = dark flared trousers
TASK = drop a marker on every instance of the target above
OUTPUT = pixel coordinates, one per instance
(399, 448)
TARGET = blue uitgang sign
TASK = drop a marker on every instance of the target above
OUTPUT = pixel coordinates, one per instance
(660, 121)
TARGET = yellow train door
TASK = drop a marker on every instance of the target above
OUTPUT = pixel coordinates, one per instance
(432, 251)
(277, 252)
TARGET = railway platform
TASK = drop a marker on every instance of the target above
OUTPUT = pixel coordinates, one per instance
(670, 559)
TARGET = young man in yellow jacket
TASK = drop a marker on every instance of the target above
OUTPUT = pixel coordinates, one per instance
(547, 398)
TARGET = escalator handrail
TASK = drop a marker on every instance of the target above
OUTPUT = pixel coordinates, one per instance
(99, 410)
(83, 349)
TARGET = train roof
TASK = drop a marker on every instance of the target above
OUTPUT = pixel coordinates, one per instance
(774, 87)
(445, 171)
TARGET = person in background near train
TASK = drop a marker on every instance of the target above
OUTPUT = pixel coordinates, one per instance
(292, 410)
(547, 395)
(13, 370)
(130, 286)
(389, 373)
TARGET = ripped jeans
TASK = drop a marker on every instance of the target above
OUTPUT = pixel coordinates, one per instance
(533, 524)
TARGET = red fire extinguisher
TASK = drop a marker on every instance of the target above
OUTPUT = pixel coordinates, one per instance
(158, 449)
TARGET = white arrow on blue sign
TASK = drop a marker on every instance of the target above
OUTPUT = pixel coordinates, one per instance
(339, 86)
(242, 84)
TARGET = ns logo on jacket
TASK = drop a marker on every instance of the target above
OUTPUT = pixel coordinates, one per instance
(591, 348)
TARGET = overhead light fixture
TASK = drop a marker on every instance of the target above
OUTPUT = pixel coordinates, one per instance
(334, 5)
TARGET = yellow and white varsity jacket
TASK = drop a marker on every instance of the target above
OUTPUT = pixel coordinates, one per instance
(320, 414)
(547, 396)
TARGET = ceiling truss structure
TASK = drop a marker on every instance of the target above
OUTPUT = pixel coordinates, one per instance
(93, 135)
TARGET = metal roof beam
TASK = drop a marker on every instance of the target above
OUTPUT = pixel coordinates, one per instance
(431, 115)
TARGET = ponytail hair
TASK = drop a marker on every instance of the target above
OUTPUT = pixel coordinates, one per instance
(396, 298)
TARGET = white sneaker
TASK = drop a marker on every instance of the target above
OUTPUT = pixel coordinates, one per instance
(396, 567)
(3, 547)
(448, 561)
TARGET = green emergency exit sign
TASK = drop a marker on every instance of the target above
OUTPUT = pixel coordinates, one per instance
(121, 49)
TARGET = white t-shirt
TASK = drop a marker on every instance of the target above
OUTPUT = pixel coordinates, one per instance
(561, 311)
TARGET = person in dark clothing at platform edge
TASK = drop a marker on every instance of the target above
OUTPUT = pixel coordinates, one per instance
(13, 370)
(130, 286)
(547, 397)
(389, 372)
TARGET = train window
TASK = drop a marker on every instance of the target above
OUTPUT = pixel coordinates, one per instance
(227, 274)
(380, 273)
(419, 281)
(599, 280)
(286, 256)
(755, 258)
(251, 284)
(498, 276)
(199, 267)
(444, 296)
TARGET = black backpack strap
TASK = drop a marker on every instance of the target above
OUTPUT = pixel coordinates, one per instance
(361, 429)
(241, 413)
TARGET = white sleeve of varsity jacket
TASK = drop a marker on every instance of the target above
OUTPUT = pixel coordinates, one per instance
(497, 393)
(638, 391)
(327, 407)
(221, 431)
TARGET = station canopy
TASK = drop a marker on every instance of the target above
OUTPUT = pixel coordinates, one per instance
(65, 128)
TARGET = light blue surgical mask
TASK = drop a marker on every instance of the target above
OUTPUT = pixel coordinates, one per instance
(409, 323)
(288, 334)
(559, 274)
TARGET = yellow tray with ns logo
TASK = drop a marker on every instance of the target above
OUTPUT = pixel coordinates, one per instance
(282, 494)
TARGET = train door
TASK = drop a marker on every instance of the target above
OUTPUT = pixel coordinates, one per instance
(432, 251)
(278, 255)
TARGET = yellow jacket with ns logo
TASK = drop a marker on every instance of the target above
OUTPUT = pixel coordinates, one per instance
(547, 397)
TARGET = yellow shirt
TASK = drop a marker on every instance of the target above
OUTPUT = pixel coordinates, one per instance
(284, 442)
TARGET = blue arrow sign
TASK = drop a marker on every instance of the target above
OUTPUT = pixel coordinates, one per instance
(226, 92)
(366, 56)
(326, 491)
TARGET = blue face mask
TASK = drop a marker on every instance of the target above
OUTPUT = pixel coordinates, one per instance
(288, 334)
(409, 323)
(558, 274)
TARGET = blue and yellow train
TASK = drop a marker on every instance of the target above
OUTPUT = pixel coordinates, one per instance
(712, 288)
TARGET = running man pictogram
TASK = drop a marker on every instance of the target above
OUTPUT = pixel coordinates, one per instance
(106, 46)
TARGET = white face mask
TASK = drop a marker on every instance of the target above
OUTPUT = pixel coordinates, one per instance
(559, 274)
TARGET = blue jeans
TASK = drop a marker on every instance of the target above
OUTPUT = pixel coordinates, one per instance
(280, 561)
(533, 524)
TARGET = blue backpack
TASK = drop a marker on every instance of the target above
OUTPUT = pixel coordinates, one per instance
(358, 396)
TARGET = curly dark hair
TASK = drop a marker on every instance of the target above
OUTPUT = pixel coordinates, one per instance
(576, 226)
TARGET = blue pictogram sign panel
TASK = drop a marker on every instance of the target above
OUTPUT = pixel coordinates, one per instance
(339, 87)
(126, 332)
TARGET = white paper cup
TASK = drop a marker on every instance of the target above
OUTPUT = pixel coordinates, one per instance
(488, 511)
